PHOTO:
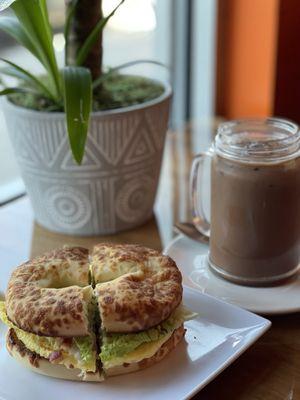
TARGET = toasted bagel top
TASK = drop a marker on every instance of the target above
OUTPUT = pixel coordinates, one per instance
(136, 287)
(49, 294)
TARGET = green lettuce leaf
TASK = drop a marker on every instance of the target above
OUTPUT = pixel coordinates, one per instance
(119, 344)
(86, 348)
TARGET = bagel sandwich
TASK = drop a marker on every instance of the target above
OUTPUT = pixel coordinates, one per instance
(48, 309)
(139, 296)
(80, 316)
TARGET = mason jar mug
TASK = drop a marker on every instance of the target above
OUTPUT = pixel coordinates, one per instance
(254, 222)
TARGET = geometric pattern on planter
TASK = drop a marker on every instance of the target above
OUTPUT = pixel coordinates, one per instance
(22, 141)
(141, 148)
(90, 161)
(114, 188)
(135, 198)
(38, 142)
(157, 125)
(113, 135)
(68, 207)
(105, 203)
(47, 141)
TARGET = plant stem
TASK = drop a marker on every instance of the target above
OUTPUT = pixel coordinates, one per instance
(86, 15)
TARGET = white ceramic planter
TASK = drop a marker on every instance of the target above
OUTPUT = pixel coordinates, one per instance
(114, 189)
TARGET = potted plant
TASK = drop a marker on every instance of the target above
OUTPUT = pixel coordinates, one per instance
(89, 142)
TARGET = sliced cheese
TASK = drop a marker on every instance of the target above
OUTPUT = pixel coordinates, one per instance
(145, 350)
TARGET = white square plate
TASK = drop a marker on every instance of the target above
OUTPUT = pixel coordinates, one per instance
(218, 336)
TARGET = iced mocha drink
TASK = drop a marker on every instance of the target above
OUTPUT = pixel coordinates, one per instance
(255, 223)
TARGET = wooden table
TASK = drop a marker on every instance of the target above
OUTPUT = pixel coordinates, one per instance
(269, 370)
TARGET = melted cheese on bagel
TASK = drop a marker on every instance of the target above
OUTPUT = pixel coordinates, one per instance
(50, 294)
(136, 287)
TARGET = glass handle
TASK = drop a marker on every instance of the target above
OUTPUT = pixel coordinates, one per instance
(196, 193)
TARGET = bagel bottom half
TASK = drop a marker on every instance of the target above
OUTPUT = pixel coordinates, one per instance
(41, 365)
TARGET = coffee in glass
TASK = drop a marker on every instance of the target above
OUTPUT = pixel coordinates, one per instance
(255, 200)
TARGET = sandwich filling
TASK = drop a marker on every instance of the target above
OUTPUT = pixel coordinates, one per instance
(120, 348)
(116, 348)
(79, 352)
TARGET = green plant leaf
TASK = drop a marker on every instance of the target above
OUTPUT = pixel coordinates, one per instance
(92, 38)
(102, 78)
(11, 90)
(5, 4)
(12, 27)
(33, 16)
(16, 71)
(78, 104)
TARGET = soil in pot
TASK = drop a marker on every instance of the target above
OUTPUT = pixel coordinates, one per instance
(117, 91)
